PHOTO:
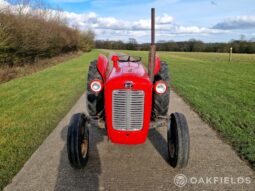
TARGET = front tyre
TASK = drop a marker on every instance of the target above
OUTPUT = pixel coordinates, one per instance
(178, 141)
(78, 141)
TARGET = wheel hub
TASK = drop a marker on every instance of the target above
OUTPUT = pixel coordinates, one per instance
(171, 149)
(84, 148)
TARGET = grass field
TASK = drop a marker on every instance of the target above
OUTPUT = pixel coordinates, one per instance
(222, 93)
(31, 108)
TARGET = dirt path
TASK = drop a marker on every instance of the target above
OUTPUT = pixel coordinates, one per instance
(140, 167)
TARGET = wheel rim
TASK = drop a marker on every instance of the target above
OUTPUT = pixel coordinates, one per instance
(171, 148)
(84, 147)
(172, 139)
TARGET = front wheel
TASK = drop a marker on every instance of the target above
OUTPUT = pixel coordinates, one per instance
(78, 141)
(178, 141)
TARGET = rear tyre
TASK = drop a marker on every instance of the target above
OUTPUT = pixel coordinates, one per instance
(161, 101)
(178, 141)
(78, 141)
(95, 101)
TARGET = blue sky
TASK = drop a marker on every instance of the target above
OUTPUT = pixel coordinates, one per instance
(207, 20)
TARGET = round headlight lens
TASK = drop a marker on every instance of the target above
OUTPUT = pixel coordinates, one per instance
(160, 87)
(96, 86)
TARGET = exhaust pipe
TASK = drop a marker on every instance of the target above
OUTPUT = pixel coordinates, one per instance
(152, 53)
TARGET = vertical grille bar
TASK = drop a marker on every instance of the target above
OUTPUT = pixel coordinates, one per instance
(127, 110)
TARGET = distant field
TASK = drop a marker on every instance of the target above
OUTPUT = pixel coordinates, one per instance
(222, 93)
(32, 106)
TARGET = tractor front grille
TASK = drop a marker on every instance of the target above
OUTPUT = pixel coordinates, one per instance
(127, 110)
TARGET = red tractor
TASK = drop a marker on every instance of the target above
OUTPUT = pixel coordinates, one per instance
(128, 100)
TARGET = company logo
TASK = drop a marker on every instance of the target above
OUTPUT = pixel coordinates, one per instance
(180, 180)
(128, 84)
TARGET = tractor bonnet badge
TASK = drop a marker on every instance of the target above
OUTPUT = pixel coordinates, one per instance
(128, 84)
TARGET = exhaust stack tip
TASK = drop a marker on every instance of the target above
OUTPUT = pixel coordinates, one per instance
(152, 53)
(152, 26)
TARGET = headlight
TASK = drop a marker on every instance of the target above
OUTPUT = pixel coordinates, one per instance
(96, 86)
(160, 87)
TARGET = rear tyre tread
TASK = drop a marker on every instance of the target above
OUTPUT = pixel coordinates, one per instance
(95, 101)
(161, 101)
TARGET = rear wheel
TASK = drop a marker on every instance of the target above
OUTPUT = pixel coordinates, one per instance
(178, 140)
(78, 141)
(161, 101)
(95, 101)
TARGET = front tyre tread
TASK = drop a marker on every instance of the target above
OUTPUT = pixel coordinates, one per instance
(77, 132)
(178, 141)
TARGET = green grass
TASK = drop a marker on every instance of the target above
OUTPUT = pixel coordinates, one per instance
(222, 93)
(32, 106)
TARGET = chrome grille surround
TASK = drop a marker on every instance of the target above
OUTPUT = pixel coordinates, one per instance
(127, 110)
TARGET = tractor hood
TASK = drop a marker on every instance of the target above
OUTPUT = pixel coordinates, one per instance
(128, 69)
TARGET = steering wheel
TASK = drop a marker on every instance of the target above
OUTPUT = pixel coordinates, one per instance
(129, 60)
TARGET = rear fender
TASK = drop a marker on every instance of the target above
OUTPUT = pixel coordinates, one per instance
(102, 65)
(157, 66)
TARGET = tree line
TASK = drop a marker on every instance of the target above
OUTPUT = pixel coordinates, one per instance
(238, 46)
(29, 33)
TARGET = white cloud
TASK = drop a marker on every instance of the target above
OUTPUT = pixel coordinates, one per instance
(165, 19)
(113, 28)
(239, 22)
(3, 5)
(92, 20)
(3, 2)
(163, 23)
